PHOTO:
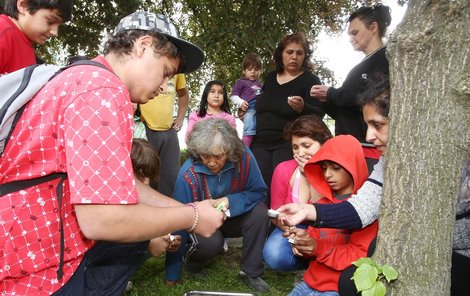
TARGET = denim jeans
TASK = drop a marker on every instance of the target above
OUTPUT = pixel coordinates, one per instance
(302, 289)
(278, 255)
(249, 120)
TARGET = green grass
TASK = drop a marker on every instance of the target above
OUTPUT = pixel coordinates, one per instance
(221, 276)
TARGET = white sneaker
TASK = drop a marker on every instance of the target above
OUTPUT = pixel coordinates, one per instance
(129, 286)
(225, 245)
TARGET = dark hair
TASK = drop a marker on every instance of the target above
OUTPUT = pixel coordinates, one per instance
(145, 160)
(378, 13)
(299, 38)
(76, 58)
(202, 111)
(251, 59)
(377, 95)
(123, 43)
(211, 135)
(308, 126)
(63, 6)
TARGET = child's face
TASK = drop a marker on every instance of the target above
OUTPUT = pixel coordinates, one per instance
(215, 97)
(339, 180)
(377, 128)
(41, 25)
(252, 73)
(304, 147)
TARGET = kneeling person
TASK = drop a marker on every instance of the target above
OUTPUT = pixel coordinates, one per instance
(221, 168)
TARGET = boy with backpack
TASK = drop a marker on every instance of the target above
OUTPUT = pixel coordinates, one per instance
(25, 23)
(87, 234)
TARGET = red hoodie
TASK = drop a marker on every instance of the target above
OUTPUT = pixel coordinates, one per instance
(336, 248)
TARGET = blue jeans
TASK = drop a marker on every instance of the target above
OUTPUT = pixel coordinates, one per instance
(278, 255)
(249, 120)
(302, 289)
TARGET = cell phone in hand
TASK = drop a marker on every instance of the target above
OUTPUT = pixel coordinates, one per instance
(273, 213)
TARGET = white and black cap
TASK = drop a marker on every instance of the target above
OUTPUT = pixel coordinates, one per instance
(147, 21)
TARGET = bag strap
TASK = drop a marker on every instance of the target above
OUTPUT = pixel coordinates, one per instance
(23, 184)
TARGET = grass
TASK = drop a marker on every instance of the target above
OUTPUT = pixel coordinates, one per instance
(221, 276)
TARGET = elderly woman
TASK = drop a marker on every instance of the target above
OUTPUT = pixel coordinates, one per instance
(221, 168)
(285, 97)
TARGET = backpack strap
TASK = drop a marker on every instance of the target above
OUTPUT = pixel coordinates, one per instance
(23, 184)
(60, 271)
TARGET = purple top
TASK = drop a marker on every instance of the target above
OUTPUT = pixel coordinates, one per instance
(247, 89)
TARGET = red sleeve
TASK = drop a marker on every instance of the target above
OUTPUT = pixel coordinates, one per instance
(340, 256)
(98, 148)
(280, 188)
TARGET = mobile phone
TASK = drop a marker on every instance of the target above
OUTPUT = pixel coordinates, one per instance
(273, 213)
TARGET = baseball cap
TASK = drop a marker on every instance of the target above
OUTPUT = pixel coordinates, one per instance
(147, 21)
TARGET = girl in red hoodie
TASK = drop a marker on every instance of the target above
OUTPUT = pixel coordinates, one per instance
(336, 171)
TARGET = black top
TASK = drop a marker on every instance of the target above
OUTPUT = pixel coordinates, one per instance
(342, 102)
(273, 111)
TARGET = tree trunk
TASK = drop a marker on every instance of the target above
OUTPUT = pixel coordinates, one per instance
(428, 144)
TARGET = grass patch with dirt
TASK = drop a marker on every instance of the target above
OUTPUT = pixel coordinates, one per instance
(222, 276)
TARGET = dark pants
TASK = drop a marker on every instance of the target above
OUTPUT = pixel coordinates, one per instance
(105, 269)
(268, 159)
(168, 149)
(460, 284)
(346, 285)
(252, 226)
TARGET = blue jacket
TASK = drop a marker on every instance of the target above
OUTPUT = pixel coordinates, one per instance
(240, 181)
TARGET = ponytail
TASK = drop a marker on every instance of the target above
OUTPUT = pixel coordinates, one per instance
(379, 13)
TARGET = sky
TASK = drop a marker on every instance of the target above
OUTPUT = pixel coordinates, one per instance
(337, 52)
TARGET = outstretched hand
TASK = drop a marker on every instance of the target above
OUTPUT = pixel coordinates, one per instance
(319, 92)
(293, 213)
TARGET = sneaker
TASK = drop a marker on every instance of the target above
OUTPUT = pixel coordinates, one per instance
(129, 286)
(225, 245)
(255, 283)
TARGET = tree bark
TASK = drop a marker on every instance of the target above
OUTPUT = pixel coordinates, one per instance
(428, 143)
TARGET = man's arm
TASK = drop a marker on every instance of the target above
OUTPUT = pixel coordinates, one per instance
(183, 102)
(151, 197)
(140, 222)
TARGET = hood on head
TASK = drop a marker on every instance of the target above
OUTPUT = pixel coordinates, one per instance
(344, 150)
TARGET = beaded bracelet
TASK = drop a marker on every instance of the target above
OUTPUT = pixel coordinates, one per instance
(196, 218)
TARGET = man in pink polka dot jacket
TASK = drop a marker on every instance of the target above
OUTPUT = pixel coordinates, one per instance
(81, 123)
